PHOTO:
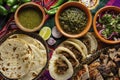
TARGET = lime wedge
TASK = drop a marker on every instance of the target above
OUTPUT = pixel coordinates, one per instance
(45, 32)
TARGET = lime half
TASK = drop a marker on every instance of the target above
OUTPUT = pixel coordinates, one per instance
(45, 32)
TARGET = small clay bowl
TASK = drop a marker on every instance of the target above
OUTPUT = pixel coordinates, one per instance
(79, 6)
(34, 6)
(110, 8)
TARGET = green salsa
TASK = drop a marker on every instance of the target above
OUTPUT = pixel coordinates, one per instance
(30, 17)
(73, 20)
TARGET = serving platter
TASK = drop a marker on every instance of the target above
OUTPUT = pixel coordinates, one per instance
(10, 26)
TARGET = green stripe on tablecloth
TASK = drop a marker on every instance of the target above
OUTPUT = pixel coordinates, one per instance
(101, 4)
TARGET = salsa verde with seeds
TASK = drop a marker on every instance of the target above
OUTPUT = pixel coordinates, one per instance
(108, 25)
(73, 20)
(30, 17)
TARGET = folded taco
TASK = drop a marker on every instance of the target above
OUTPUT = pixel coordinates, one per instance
(60, 68)
(81, 45)
(90, 41)
(68, 54)
(78, 52)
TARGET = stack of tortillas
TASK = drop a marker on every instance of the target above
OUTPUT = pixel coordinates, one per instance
(22, 57)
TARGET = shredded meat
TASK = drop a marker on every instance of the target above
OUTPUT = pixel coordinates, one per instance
(69, 57)
(75, 51)
(105, 71)
(104, 58)
(110, 68)
(111, 50)
(61, 66)
(86, 42)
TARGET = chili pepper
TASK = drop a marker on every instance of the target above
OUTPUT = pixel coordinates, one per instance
(58, 3)
(1, 2)
(3, 11)
(46, 1)
(52, 11)
(11, 2)
(13, 8)
(49, 3)
(24, 1)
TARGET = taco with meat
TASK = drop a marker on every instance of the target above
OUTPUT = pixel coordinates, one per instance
(68, 54)
(81, 45)
(60, 68)
(75, 48)
(90, 41)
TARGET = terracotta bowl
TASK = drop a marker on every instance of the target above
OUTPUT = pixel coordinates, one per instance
(113, 8)
(91, 5)
(81, 7)
(31, 5)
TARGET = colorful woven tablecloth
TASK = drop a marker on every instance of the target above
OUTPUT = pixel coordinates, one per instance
(51, 24)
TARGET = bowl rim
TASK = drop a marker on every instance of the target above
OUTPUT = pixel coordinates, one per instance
(79, 5)
(29, 4)
(94, 6)
(115, 8)
(35, 36)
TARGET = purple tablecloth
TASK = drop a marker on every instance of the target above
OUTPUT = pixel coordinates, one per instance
(114, 3)
(46, 75)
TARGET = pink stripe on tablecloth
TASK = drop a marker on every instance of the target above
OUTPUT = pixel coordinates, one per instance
(110, 2)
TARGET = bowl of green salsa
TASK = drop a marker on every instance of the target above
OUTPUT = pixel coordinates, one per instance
(73, 19)
(30, 17)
